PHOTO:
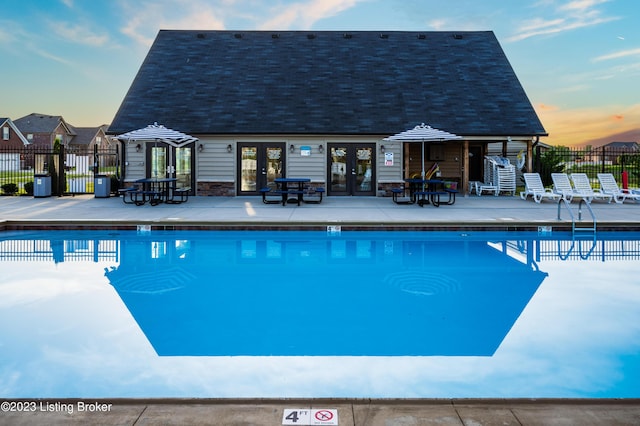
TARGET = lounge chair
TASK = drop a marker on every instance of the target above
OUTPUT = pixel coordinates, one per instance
(535, 188)
(562, 186)
(609, 185)
(582, 185)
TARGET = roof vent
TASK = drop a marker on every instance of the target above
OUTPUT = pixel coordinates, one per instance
(275, 35)
(347, 35)
(200, 35)
(457, 36)
(311, 36)
(422, 36)
(237, 35)
(384, 35)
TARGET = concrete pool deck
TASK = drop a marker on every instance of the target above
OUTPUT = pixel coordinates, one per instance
(379, 213)
(375, 212)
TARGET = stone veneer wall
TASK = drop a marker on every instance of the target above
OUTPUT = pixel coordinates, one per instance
(225, 189)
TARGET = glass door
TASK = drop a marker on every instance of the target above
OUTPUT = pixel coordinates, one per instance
(166, 161)
(351, 169)
(258, 165)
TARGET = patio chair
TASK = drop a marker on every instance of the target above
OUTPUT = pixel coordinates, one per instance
(562, 186)
(582, 185)
(610, 186)
(535, 188)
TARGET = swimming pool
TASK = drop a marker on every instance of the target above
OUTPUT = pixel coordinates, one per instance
(317, 314)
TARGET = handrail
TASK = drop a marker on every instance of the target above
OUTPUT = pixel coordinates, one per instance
(573, 219)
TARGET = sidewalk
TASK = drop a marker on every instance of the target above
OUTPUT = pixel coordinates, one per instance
(349, 412)
(379, 212)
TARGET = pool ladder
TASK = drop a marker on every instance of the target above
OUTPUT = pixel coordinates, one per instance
(582, 230)
(575, 228)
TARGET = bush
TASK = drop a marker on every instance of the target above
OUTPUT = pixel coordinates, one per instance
(9, 188)
(28, 187)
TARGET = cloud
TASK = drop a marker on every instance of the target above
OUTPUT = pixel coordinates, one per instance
(567, 17)
(617, 55)
(570, 127)
(78, 34)
(147, 18)
(304, 15)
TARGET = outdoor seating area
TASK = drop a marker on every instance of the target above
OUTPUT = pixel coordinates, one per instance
(577, 186)
(154, 191)
(535, 189)
(609, 186)
(292, 190)
(580, 190)
(424, 191)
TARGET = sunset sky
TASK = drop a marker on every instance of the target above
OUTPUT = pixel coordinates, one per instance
(579, 61)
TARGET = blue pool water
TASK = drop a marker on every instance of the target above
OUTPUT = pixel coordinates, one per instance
(312, 314)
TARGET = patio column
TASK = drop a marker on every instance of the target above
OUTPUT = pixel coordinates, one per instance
(465, 166)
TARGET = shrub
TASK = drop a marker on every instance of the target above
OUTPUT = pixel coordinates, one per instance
(28, 187)
(9, 188)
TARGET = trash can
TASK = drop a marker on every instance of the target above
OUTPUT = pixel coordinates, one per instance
(42, 186)
(102, 186)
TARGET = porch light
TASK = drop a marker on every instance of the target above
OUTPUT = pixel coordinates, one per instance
(382, 149)
(138, 148)
(292, 149)
(200, 148)
(320, 149)
(229, 148)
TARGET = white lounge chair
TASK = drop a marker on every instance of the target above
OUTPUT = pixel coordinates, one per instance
(583, 186)
(535, 188)
(610, 186)
(562, 186)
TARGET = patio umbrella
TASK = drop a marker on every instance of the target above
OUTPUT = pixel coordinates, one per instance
(422, 133)
(158, 133)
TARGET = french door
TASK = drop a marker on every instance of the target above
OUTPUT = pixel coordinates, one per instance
(166, 161)
(258, 165)
(351, 169)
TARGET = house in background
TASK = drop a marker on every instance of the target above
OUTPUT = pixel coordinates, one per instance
(11, 142)
(614, 150)
(90, 137)
(266, 104)
(11, 136)
(43, 130)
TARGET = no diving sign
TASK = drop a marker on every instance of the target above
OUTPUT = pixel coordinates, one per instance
(310, 417)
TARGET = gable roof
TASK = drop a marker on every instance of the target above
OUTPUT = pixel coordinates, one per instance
(41, 123)
(624, 145)
(86, 135)
(7, 121)
(301, 82)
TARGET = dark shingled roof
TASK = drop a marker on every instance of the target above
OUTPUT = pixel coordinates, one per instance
(327, 82)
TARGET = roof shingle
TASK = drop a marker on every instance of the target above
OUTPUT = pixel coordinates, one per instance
(301, 82)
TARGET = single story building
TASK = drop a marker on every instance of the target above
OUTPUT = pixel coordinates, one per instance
(318, 104)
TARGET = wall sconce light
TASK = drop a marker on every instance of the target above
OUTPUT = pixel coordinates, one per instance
(138, 148)
(200, 148)
(229, 148)
(320, 149)
(292, 149)
(382, 149)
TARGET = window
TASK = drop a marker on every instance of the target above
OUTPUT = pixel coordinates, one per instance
(5, 133)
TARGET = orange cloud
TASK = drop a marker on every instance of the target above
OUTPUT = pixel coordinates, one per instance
(571, 127)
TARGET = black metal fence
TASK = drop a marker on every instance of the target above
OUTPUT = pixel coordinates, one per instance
(617, 161)
(70, 170)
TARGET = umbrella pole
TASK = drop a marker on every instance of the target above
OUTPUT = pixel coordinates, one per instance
(423, 172)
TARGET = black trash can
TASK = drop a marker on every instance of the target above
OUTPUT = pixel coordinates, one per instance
(102, 186)
(41, 186)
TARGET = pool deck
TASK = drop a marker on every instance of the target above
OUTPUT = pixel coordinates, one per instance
(369, 213)
(249, 212)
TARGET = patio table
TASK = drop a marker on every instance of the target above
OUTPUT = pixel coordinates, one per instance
(291, 186)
